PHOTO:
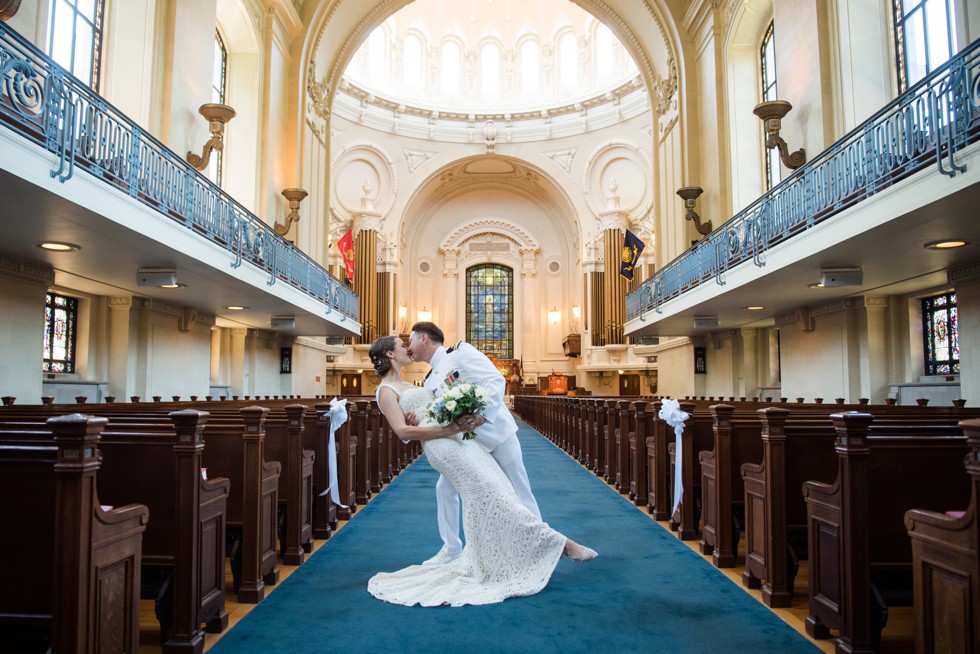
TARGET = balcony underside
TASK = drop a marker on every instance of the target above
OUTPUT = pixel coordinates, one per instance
(883, 235)
(118, 235)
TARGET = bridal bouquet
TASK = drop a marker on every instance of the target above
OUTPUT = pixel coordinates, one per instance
(460, 399)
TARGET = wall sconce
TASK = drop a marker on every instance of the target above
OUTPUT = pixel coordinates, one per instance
(294, 196)
(690, 196)
(217, 115)
(425, 315)
(772, 113)
(554, 315)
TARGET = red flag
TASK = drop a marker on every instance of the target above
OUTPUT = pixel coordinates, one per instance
(346, 247)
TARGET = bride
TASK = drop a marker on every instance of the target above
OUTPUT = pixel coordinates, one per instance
(509, 551)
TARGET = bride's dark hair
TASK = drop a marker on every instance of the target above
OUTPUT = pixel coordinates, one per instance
(378, 353)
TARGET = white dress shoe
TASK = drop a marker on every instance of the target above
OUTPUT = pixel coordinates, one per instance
(442, 557)
(582, 555)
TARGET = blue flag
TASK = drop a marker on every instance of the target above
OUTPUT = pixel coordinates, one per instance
(632, 247)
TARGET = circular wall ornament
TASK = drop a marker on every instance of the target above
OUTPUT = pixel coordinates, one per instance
(626, 168)
(425, 267)
(363, 166)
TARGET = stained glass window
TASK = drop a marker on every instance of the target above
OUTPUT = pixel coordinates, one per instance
(490, 309)
(941, 330)
(75, 38)
(924, 38)
(767, 58)
(60, 318)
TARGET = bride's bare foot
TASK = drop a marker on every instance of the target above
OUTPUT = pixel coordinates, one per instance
(578, 553)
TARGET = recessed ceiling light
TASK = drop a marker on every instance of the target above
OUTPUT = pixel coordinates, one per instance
(755, 308)
(816, 285)
(946, 245)
(178, 285)
(57, 246)
(236, 307)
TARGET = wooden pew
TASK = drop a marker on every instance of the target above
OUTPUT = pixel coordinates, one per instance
(658, 458)
(775, 511)
(722, 491)
(253, 501)
(284, 443)
(626, 430)
(946, 567)
(72, 571)
(860, 556)
(638, 459)
(184, 545)
(698, 435)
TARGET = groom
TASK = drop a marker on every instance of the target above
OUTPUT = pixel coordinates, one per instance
(496, 431)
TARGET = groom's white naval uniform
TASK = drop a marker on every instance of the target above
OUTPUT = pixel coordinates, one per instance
(497, 436)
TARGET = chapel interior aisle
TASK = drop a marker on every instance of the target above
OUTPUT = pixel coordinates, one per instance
(646, 591)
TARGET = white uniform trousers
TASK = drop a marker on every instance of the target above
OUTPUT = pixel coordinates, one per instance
(509, 458)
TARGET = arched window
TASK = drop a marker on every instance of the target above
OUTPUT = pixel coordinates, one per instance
(941, 331)
(377, 55)
(60, 318)
(413, 62)
(767, 59)
(924, 38)
(605, 56)
(567, 61)
(219, 87)
(490, 309)
(490, 69)
(530, 67)
(450, 67)
(75, 38)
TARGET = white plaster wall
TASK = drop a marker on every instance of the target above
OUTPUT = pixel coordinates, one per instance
(21, 331)
(176, 363)
(719, 353)
(801, 73)
(129, 80)
(31, 22)
(186, 68)
(676, 366)
(814, 364)
(862, 65)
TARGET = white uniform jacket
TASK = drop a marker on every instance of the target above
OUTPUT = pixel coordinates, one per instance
(474, 367)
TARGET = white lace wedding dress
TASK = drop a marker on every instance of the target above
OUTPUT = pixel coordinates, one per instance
(509, 552)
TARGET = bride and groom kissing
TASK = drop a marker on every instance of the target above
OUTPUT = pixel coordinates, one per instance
(510, 551)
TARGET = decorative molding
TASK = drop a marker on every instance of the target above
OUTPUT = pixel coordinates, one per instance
(373, 156)
(466, 172)
(562, 158)
(968, 273)
(486, 226)
(415, 158)
(120, 302)
(592, 182)
(27, 272)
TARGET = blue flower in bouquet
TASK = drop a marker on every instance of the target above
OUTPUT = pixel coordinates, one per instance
(459, 399)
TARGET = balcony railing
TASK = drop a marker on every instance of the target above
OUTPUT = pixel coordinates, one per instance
(927, 125)
(53, 109)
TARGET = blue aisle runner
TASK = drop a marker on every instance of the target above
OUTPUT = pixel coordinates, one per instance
(647, 591)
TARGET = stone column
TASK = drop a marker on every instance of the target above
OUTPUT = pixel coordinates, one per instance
(367, 223)
(614, 286)
(966, 281)
(239, 375)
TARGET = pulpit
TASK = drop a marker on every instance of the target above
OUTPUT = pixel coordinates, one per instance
(557, 384)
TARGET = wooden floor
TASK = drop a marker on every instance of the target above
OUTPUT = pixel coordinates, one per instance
(896, 638)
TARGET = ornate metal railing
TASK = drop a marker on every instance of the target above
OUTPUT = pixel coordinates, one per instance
(927, 125)
(50, 107)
